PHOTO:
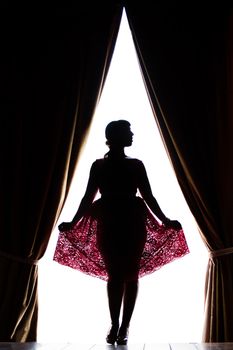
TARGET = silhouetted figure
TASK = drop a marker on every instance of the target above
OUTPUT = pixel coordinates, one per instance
(116, 237)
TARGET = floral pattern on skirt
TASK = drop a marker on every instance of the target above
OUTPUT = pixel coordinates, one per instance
(80, 247)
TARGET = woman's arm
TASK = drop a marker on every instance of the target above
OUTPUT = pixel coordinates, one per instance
(146, 192)
(86, 201)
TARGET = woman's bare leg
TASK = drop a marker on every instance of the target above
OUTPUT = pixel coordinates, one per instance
(129, 300)
(115, 290)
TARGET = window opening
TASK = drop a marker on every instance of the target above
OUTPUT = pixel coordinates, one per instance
(73, 306)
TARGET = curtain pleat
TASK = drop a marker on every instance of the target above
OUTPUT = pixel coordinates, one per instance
(54, 61)
(53, 65)
(185, 53)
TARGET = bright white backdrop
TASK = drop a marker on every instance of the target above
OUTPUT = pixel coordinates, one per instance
(170, 305)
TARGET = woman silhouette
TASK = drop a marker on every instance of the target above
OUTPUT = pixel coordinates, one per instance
(121, 236)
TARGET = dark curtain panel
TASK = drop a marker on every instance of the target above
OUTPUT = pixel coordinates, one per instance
(53, 65)
(185, 53)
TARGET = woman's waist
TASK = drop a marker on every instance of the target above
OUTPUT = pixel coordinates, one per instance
(118, 196)
(121, 200)
(119, 206)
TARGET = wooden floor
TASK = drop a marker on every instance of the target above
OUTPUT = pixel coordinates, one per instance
(163, 346)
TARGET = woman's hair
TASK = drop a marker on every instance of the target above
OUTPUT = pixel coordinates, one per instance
(115, 130)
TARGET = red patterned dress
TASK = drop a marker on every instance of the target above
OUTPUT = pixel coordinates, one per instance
(119, 235)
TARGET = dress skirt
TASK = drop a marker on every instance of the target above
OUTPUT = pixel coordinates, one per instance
(119, 238)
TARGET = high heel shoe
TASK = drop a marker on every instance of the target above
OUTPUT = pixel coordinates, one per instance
(122, 337)
(112, 335)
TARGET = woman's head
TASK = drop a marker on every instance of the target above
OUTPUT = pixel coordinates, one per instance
(118, 133)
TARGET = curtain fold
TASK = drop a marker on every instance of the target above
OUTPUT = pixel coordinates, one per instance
(54, 61)
(185, 53)
(53, 65)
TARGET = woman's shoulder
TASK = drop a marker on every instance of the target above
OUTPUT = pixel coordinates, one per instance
(97, 162)
(135, 163)
(134, 160)
(131, 160)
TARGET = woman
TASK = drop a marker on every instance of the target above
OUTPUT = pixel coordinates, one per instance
(117, 238)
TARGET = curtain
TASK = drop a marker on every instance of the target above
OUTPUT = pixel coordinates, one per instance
(53, 65)
(186, 57)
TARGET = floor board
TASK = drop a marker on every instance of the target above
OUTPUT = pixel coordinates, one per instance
(214, 346)
(162, 346)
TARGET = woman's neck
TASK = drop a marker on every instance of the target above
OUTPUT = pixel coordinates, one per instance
(117, 152)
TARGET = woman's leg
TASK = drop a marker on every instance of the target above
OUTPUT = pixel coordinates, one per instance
(129, 300)
(115, 290)
(130, 289)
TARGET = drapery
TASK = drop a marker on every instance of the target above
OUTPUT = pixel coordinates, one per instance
(54, 60)
(185, 53)
(53, 65)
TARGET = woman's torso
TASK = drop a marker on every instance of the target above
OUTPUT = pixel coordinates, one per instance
(117, 177)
